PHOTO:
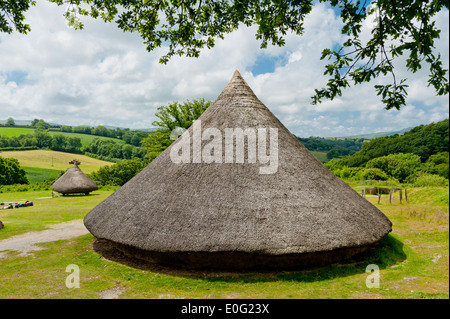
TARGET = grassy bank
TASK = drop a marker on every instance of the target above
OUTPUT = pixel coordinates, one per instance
(413, 260)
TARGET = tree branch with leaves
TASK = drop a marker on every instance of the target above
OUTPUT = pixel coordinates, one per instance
(403, 28)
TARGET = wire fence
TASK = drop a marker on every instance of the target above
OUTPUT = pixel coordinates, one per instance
(379, 191)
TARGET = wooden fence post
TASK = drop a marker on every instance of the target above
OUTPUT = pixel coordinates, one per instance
(406, 195)
(401, 194)
(390, 195)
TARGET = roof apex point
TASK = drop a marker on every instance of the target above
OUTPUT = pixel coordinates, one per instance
(75, 162)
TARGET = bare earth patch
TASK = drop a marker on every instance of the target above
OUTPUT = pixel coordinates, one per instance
(25, 243)
(112, 293)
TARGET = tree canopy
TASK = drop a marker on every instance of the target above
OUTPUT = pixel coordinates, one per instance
(172, 117)
(187, 26)
(10, 122)
(11, 172)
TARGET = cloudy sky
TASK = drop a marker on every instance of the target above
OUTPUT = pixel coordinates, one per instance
(103, 76)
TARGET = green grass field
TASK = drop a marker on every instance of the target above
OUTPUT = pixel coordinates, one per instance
(15, 131)
(86, 139)
(321, 156)
(39, 175)
(52, 160)
(413, 260)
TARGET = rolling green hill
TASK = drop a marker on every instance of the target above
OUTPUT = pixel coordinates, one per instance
(53, 160)
(370, 136)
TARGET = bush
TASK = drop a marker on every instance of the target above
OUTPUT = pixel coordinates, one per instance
(119, 173)
(348, 173)
(334, 165)
(373, 174)
(438, 164)
(430, 180)
(11, 172)
(399, 166)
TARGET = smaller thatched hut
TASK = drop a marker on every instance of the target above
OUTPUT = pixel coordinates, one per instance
(74, 181)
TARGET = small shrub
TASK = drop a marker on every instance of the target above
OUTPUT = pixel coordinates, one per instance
(373, 174)
(349, 172)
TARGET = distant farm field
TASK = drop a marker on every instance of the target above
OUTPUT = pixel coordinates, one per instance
(54, 160)
(15, 131)
(86, 139)
(321, 156)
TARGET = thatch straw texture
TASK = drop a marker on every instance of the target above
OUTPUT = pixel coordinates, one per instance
(230, 215)
(74, 181)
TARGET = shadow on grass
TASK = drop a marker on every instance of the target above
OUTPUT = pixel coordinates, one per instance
(387, 253)
(78, 195)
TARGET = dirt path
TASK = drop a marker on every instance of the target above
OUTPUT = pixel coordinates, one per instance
(25, 243)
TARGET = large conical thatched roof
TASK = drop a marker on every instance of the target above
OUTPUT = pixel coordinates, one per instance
(229, 215)
(74, 181)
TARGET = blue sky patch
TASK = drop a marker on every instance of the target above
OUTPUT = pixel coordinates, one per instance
(16, 76)
(267, 64)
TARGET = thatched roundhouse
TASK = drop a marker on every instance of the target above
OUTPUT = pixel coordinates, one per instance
(201, 214)
(74, 181)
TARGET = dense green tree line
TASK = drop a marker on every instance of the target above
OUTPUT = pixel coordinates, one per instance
(42, 139)
(130, 137)
(110, 150)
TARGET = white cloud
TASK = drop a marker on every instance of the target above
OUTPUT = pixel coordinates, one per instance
(101, 75)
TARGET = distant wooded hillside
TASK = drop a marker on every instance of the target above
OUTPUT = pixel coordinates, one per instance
(332, 147)
(419, 155)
